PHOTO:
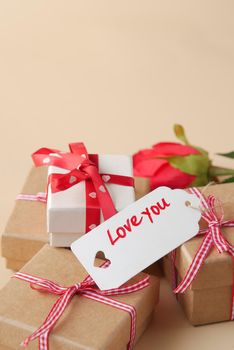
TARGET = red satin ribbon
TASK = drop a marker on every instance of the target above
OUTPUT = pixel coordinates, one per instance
(87, 289)
(82, 167)
(212, 237)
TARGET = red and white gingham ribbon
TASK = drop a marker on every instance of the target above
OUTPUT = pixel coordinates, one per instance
(88, 289)
(39, 197)
(212, 237)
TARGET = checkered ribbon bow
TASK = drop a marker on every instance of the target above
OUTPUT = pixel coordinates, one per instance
(88, 289)
(213, 237)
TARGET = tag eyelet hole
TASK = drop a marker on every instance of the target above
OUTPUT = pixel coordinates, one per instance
(188, 204)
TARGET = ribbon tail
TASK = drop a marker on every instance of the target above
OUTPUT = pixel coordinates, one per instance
(43, 341)
(42, 333)
(104, 197)
(195, 265)
(78, 148)
(219, 240)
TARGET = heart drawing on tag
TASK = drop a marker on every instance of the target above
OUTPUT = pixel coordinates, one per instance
(106, 178)
(93, 194)
(102, 189)
(72, 179)
(101, 255)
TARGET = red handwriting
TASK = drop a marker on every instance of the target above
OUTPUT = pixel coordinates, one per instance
(149, 212)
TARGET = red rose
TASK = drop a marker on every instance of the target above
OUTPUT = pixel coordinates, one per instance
(154, 164)
(178, 165)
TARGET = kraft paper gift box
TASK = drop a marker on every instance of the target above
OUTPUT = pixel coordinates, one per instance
(25, 232)
(66, 210)
(86, 323)
(142, 186)
(209, 297)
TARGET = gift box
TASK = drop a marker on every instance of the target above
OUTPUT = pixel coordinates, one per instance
(83, 190)
(142, 186)
(66, 210)
(201, 270)
(86, 323)
(25, 232)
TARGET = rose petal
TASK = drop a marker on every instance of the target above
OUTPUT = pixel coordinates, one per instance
(143, 155)
(167, 149)
(148, 167)
(171, 177)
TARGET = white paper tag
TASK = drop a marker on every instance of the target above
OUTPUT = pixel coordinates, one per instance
(139, 235)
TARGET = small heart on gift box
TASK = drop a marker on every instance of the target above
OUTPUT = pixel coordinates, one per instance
(102, 189)
(91, 227)
(101, 255)
(83, 155)
(93, 194)
(46, 160)
(72, 179)
(106, 178)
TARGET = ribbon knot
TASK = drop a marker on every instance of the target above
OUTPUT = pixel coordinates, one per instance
(77, 287)
(88, 289)
(81, 166)
(86, 163)
(215, 223)
(213, 236)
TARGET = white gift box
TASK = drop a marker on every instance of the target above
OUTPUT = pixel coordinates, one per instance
(66, 210)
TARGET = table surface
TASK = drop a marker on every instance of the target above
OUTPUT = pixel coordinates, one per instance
(116, 75)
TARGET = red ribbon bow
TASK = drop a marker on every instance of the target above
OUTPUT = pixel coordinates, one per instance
(88, 289)
(82, 167)
(212, 237)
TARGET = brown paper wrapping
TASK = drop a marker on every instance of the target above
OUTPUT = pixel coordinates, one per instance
(25, 232)
(14, 265)
(209, 298)
(142, 186)
(86, 324)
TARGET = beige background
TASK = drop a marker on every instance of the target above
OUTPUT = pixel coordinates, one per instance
(117, 75)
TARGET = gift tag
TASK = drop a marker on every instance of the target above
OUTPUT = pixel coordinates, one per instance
(139, 235)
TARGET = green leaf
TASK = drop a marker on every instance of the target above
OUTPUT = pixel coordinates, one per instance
(230, 179)
(200, 180)
(193, 164)
(228, 155)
